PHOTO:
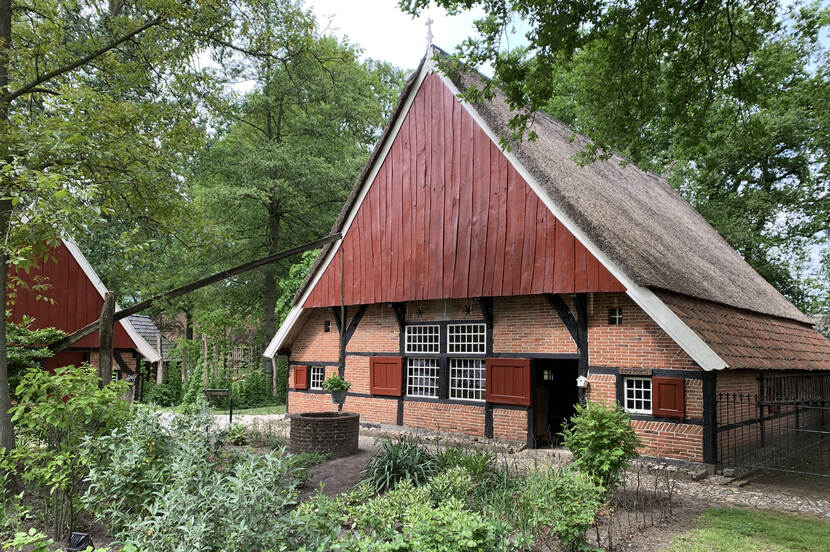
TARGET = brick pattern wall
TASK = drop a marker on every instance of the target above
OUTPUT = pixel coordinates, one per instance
(670, 440)
(509, 424)
(637, 342)
(313, 343)
(377, 332)
(449, 417)
(333, 435)
(526, 324)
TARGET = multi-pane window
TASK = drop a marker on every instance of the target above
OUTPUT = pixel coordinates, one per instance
(637, 395)
(466, 338)
(316, 376)
(615, 316)
(422, 377)
(423, 339)
(467, 378)
(446, 360)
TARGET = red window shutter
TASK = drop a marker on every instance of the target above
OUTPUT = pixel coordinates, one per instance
(386, 376)
(300, 377)
(508, 381)
(668, 397)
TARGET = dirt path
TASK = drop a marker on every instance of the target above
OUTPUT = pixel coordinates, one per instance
(339, 474)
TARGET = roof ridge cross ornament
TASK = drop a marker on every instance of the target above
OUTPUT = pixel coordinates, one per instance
(428, 24)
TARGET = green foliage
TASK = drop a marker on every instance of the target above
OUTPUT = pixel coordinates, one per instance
(165, 488)
(479, 462)
(27, 347)
(12, 509)
(237, 434)
(55, 413)
(560, 503)
(602, 442)
(399, 460)
(335, 382)
(194, 392)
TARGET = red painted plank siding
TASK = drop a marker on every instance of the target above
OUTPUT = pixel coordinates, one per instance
(448, 216)
(75, 300)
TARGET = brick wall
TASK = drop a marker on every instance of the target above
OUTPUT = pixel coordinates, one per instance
(526, 324)
(637, 342)
(509, 424)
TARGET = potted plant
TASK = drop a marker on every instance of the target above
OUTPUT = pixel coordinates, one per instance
(338, 387)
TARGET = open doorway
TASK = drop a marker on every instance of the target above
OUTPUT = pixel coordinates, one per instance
(555, 394)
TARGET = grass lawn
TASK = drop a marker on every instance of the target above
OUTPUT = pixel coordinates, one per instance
(737, 530)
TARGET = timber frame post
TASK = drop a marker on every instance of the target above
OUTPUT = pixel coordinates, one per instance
(577, 326)
(105, 339)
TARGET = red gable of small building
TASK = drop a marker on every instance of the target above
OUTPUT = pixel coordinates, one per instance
(448, 216)
(71, 302)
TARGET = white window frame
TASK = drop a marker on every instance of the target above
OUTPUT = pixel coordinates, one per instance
(424, 345)
(426, 381)
(316, 377)
(466, 345)
(463, 387)
(641, 401)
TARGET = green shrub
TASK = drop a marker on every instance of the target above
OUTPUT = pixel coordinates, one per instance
(55, 413)
(237, 434)
(455, 482)
(399, 460)
(478, 462)
(194, 391)
(602, 442)
(560, 503)
(175, 489)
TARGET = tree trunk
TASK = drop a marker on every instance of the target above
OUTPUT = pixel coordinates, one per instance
(6, 429)
(160, 368)
(188, 335)
(270, 293)
(105, 336)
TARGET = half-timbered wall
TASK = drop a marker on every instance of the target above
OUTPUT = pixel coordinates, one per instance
(447, 216)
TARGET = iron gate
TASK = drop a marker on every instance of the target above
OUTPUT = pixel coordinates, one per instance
(783, 427)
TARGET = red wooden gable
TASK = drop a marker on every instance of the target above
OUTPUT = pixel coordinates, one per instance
(448, 216)
(75, 300)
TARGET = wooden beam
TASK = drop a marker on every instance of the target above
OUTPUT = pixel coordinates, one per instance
(565, 314)
(67, 341)
(361, 310)
(400, 314)
(105, 338)
(487, 309)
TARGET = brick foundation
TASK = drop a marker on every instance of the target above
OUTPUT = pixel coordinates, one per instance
(521, 325)
(326, 432)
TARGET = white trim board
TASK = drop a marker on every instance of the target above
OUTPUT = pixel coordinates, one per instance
(147, 351)
(668, 321)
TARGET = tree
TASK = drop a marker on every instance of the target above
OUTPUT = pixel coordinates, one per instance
(728, 100)
(289, 154)
(98, 107)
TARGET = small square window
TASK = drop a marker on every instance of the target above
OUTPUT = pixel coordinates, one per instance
(466, 338)
(637, 395)
(316, 377)
(615, 316)
(467, 378)
(423, 339)
(422, 377)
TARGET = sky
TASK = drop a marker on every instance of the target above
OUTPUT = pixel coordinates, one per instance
(386, 33)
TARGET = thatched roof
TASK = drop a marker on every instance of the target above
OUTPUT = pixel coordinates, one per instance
(635, 217)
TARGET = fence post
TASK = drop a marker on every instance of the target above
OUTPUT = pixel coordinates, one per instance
(710, 418)
(761, 397)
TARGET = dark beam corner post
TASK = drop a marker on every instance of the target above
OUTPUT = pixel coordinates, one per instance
(339, 317)
(400, 314)
(577, 326)
(710, 418)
